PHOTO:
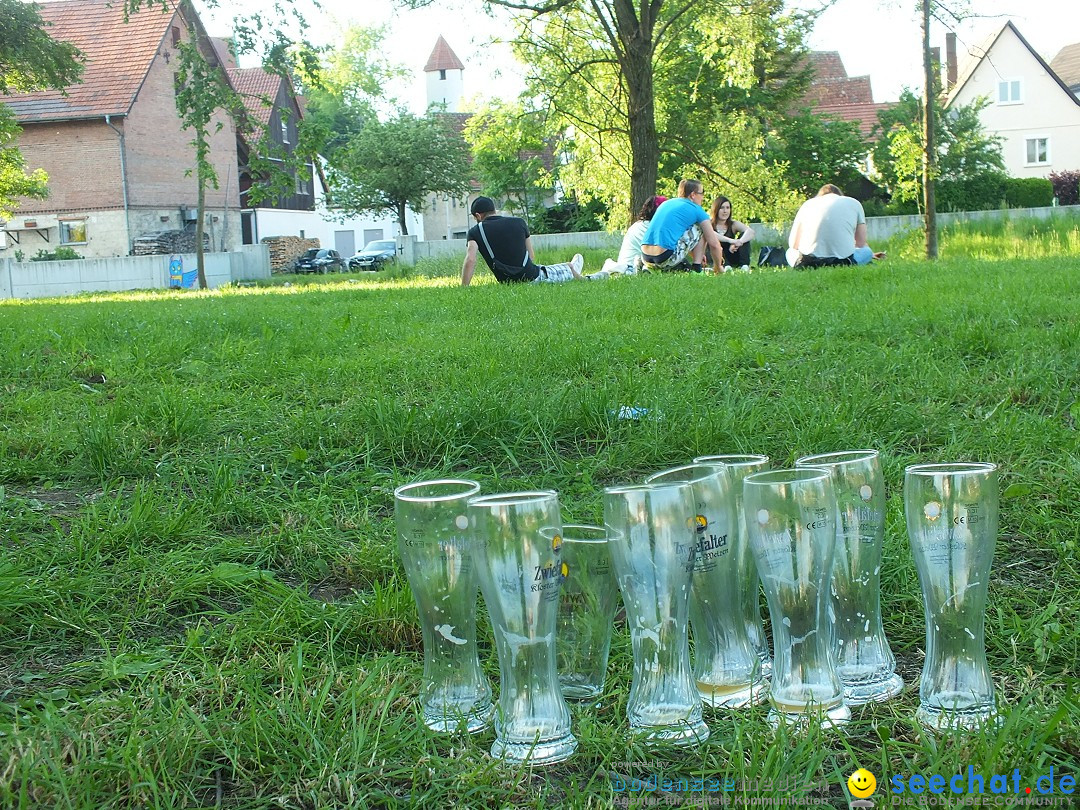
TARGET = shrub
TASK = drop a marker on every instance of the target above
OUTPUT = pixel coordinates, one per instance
(981, 192)
(1066, 186)
(58, 255)
(1028, 192)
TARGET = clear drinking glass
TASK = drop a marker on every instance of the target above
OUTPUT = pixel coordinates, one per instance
(864, 662)
(952, 525)
(518, 553)
(436, 551)
(791, 521)
(653, 545)
(725, 665)
(588, 598)
(741, 466)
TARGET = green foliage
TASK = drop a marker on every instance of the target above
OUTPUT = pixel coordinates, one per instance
(15, 182)
(978, 192)
(1066, 186)
(395, 164)
(1028, 192)
(570, 216)
(29, 58)
(813, 150)
(59, 254)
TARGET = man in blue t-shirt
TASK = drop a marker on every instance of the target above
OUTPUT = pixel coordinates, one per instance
(679, 227)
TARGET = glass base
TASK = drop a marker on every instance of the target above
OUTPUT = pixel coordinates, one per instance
(811, 716)
(478, 719)
(542, 752)
(857, 694)
(732, 697)
(579, 689)
(942, 721)
(681, 735)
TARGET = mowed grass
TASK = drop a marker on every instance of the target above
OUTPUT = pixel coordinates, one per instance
(201, 600)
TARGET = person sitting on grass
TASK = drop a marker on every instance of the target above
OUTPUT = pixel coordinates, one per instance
(629, 261)
(733, 235)
(680, 228)
(829, 230)
(506, 245)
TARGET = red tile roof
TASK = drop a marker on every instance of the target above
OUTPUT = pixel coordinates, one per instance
(443, 58)
(833, 92)
(256, 87)
(865, 115)
(118, 56)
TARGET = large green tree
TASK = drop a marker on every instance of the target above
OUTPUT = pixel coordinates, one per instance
(392, 165)
(29, 60)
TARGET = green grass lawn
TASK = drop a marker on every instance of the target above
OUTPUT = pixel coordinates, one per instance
(201, 601)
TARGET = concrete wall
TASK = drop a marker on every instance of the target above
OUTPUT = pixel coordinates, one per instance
(46, 279)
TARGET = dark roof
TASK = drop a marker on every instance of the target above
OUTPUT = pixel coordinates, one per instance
(118, 56)
(976, 56)
(442, 58)
(1067, 64)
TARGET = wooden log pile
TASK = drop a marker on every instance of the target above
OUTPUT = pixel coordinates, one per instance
(166, 242)
(285, 250)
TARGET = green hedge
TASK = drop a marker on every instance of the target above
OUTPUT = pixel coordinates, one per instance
(1028, 192)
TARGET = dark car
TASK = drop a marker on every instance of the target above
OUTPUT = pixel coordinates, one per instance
(375, 255)
(320, 261)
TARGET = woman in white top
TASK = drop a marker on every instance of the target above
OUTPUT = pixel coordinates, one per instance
(629, 261)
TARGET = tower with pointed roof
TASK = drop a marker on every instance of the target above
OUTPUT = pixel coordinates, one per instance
(445, 77)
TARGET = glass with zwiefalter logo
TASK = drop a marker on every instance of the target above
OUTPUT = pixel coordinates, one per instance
(791, 521)
(864, 661)
(436, 552)
(952, 525)
(652, 550)
(518, 540)
(726, 667)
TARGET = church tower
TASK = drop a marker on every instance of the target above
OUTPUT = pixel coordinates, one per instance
(445, 84)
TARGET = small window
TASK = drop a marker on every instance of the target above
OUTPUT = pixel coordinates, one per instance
(442, 75)
(73, 232)
(175, 36)
(1038, 151)
(1009, 91)
(284, 131)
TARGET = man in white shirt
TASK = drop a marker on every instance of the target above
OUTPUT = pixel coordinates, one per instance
(829, 230)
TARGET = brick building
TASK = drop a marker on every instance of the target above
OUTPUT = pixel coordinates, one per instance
(114, 148)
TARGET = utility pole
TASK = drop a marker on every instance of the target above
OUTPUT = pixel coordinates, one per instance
(929, 150)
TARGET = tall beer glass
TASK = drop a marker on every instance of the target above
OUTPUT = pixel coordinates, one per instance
(952, 524)
(652, 549)
(864, 662)
(518, 542)
(791, 520)
(741, 466)
(725, 666)
(436, 551)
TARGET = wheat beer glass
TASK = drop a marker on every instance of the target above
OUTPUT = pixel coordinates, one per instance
(518, 552)
(436, 551)
(741, 466)
(653, 545)
(952, 524)
(588, 598)
(864, 662)
(725, 665)
(791, 521)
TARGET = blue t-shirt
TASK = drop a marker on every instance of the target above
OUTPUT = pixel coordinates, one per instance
(672, 219)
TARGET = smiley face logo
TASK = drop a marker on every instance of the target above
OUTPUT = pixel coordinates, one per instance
(862, 783)
(556, 543)
(564, 569)
(702, 523)
(865, 492)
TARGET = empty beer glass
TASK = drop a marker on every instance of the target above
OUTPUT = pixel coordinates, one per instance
(518, 553)
(741, 466)
(725, 665)
(436, 552)
(791, 521)
(653, 544)
(952, 524)
(588, 598)
(864, 662)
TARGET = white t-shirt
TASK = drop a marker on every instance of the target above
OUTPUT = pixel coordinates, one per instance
(631, 243)
(826, 226)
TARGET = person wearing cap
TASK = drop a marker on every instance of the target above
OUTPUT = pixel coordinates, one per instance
(681, 227)
(506, 245)
(629, 261)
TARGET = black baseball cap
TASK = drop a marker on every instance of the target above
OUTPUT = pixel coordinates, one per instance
(482, 205)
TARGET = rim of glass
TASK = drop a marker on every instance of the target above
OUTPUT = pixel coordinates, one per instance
(793, 475)
(462, 488)
(513, 498)
(836, 458)
(733, 459)
(568, 537)
(707, 471)
(951, 468)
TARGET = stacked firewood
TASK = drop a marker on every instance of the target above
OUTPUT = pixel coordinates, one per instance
(285, 250)
(164, 242)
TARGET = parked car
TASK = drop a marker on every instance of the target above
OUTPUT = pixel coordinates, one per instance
(375, 255)
(319, 260)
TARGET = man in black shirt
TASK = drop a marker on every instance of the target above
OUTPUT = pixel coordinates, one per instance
(506, 245)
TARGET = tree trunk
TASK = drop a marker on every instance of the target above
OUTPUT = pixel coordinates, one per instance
(644, 147)
(200, 254)
(929, 149)
(401, 218)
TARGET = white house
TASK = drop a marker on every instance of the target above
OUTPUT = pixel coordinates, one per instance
(1031, 108)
